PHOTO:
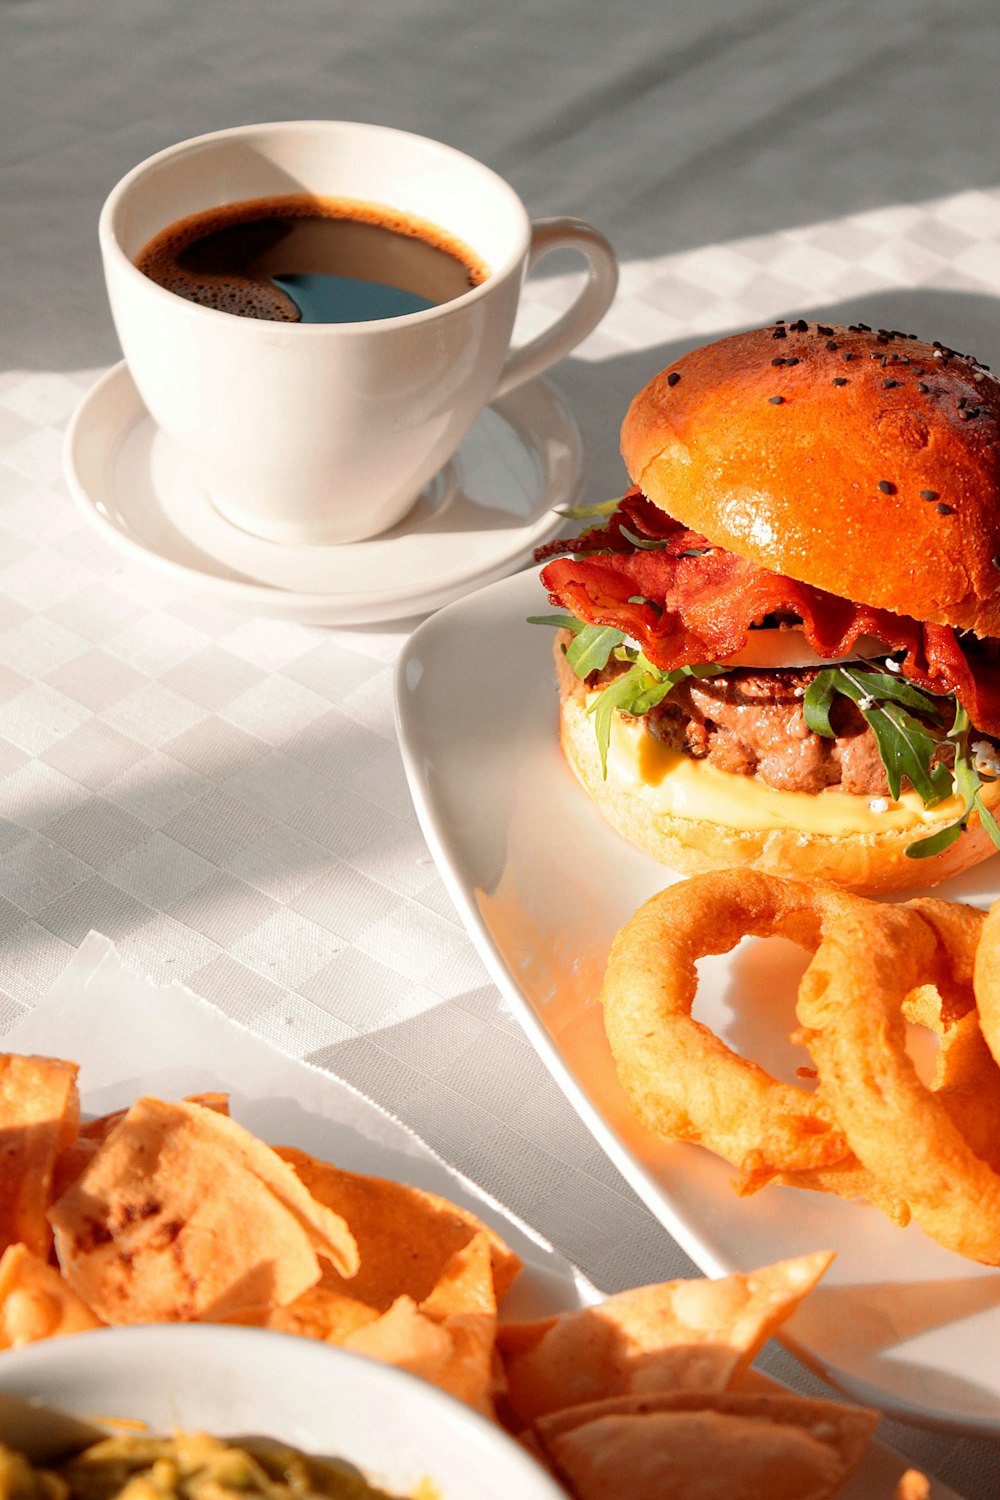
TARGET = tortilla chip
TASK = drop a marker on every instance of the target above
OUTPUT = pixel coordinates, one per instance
(94, 1132)
(464, 1301)
(450, 1354)
(518, 1338)
(449, 1338)
(39, 1115)
(465, 1286)
(405, 1236)
(35, 1302)
(321, 1313)
(716, 1445)
(182, 1215)
(682, 1335)
(406, 1337)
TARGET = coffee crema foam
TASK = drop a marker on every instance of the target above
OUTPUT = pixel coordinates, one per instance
(224, 258)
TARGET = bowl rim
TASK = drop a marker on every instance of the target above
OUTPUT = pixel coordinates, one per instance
(28, 1370)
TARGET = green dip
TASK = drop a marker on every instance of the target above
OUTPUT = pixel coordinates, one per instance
(189, 1466)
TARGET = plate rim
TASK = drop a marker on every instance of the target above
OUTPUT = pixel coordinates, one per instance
(271, 599)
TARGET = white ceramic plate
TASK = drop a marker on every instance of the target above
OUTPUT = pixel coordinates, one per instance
(542, 885)
(479, 518)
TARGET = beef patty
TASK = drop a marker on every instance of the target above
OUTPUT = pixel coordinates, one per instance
(750, 722)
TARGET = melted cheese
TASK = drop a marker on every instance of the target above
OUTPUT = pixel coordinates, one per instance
(789, 648)
(777, 647)
(672, 783)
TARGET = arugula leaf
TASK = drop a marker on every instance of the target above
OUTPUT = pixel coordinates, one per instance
(634, 693)
(906, 749)
(924, 848)
(906, 745)
(641, 599)
(657, 544)
(818, 701)
(988, 821)
(705, 669)
(898, 690)
(609, 701)
(560, 622)
(591, 647)
(968, 784)
(644, 543)
(582, 512)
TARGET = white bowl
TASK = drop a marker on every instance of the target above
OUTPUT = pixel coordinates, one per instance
(226, 1381)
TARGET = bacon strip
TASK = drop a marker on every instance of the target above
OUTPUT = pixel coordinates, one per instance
(684, 610)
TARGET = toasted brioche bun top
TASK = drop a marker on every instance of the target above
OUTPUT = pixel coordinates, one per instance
(829, 484)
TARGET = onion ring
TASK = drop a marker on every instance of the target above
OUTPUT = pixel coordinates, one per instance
(987, 981)
(966, 1079)
(851, 1004)
(683, 1081)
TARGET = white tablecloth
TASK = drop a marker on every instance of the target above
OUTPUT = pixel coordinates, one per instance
(223, 796)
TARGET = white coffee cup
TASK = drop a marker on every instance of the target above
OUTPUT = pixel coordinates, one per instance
(325, 433)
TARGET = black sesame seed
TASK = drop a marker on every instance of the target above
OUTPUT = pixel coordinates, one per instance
(833, 346)
(673, 378)
(924, 389)
(792, 360)
(886, 487)
(889, 385)
(839, 380)
(778, 333)
(944, 510)
(778, 361)
(847, 354)
(775, 400)
(799, 326)
(937, 344)
(928, 494)
(826, 332)
(881, 338)
(865, 327)
(962, 401)
(779, 320)
(995, 561)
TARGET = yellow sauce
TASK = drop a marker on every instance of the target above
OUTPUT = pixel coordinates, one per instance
(670, 782)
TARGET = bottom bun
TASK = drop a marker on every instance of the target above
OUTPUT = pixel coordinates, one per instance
(869, 861)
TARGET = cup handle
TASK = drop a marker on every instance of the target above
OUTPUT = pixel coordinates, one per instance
(583, 315)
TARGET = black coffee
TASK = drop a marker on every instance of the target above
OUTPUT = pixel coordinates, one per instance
(300, 259)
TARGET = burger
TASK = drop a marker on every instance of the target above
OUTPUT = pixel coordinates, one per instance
(781, 648)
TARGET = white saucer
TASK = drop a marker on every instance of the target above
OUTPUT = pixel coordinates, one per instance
(475, 522)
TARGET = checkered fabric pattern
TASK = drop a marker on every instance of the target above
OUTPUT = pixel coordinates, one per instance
(222, 795)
